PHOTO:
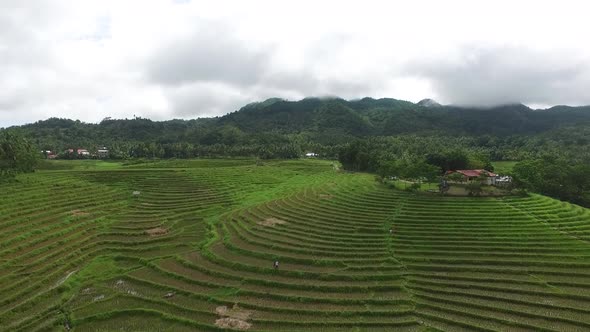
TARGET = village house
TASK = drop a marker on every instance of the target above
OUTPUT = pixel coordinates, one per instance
(502, 181)
(83, 152)
(49, 154)
(311, 154)
(79, 152)
(102, 153)
(470, 175)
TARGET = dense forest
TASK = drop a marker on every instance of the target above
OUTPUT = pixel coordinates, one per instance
(277, 128)
(375, 135)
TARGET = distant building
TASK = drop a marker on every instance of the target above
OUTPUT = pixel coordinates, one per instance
(78, 152)
(503, 180)
(83, 152)
(49, 154)
(475, 174)
(311, 154)
(102, 153)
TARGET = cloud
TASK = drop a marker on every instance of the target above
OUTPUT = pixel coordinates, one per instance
(492, 75)
(163, 59)
(204, 99)
(211, 53)
(211, 71)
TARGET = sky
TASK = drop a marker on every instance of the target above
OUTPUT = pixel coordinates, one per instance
(164, 59)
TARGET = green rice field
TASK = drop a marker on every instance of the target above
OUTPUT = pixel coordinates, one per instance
(194, 250)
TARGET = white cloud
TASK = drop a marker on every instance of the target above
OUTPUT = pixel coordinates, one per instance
(163, 59)
(211, 54)
(507, 74)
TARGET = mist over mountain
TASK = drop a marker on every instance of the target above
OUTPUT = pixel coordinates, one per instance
(428, 103)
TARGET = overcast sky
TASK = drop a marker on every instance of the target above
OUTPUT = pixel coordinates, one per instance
(168, 59)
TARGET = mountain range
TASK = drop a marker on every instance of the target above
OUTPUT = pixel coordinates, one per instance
(388, 116)
(322, 120)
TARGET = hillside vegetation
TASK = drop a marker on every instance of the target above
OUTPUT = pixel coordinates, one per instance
(287, 129)
(193, 249)
(384, 136)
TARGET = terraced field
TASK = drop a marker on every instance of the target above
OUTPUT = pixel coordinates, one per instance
(195, 251)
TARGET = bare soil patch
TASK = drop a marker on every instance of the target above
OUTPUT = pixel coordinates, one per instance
(79, 213)
(234, 312)
(269, 222)
(156, 231)
(232, 323)
(234, 318)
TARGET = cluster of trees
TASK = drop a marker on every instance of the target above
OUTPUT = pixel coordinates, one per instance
(417, 169)
(17, 154)
(188, 150)
(185, 150)
(556, 177)
(561, 176)
(387, 157)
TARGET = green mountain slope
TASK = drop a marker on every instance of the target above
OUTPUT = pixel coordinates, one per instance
(324, 121)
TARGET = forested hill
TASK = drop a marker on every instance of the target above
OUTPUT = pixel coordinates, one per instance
(323, 121)
(384, 117)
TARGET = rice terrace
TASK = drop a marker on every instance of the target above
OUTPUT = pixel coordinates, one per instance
(185, 245)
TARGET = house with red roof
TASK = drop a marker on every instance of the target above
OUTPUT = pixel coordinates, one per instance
(470, 175)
